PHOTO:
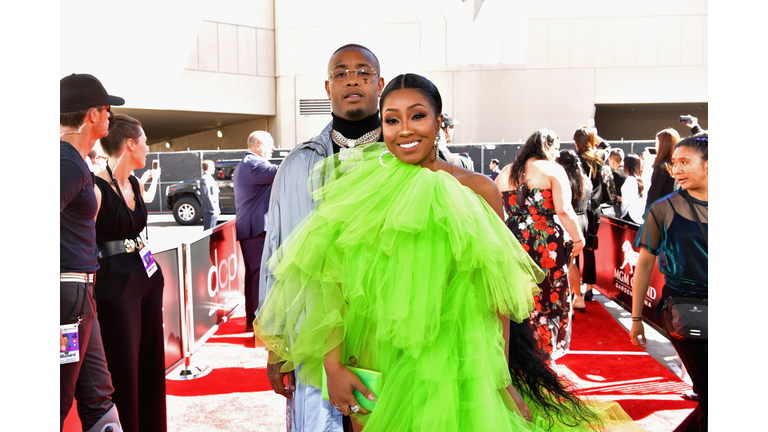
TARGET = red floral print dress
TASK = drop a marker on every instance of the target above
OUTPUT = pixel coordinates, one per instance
(540, 234)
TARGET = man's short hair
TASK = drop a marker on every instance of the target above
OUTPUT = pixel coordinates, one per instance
(360, 48)
(207, 164)
(617, 154)
(496, 161)
(258, 137)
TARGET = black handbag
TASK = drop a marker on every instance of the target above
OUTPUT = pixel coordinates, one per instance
(686, 317)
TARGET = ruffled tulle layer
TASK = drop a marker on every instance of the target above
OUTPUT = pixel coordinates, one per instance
(408, 270)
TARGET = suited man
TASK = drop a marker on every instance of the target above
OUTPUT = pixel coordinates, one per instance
(252, 182)
(210, 190)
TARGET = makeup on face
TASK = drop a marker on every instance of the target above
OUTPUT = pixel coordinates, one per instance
(410, 127)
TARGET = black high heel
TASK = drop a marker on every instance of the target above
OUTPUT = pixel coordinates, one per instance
(588, 296)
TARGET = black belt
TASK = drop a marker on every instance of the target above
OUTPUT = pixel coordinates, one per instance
(116, 247)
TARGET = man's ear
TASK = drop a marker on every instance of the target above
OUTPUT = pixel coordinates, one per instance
(381, 85)
(93, 115)
(327, 89)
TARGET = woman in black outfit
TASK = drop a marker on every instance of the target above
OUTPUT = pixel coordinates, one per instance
(581, 191)
(675, 234)
(603, 191)
(662, 182)
(129, 295)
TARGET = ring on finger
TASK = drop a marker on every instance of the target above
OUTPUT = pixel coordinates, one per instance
(355, 408)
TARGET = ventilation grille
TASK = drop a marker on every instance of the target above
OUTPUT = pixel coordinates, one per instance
(314, 107)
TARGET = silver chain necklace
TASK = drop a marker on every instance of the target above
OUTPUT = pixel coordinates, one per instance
(343, 141)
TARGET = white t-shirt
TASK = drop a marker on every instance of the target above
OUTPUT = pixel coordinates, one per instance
(631, 200)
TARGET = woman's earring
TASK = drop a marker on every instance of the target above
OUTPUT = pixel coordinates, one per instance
(437, 141)
(381, 157)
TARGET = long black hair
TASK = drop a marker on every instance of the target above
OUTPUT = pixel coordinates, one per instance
(535, 147)
(534, 378)
(571, 163)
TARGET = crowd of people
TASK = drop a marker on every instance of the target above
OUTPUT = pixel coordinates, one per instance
(393, 287)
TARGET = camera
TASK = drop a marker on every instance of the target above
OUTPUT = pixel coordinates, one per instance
(686, 119)
(651, 150)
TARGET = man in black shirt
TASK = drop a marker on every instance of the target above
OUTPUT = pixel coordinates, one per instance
(84, 118)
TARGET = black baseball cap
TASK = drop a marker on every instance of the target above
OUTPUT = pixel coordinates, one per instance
(79, 92)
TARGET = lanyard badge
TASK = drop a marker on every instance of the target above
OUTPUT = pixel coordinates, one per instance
(148, 260)
(69, 347)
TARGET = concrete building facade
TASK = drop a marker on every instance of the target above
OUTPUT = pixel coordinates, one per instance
(504, 67)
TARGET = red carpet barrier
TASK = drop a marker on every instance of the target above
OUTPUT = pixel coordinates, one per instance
(215, 272)
(212, 271)
(170, 261)
(615, 259)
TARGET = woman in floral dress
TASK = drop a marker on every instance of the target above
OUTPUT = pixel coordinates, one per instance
(545, 197)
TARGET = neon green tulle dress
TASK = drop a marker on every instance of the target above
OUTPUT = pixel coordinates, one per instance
(407, 269)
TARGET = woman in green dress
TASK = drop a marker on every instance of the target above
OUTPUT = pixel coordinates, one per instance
(406, 267)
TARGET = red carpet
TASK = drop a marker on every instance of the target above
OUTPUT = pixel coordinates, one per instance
(614, 369)
(229, 379)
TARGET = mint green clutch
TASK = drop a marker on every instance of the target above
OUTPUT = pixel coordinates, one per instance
(371, 379)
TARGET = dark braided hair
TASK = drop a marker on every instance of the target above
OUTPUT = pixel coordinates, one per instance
(698, 143)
